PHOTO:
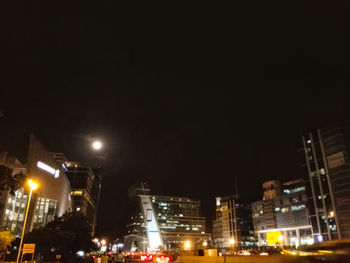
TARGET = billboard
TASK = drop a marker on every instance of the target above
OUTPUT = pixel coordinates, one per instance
(274, 238)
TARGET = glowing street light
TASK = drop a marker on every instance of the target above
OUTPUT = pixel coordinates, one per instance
(232, 241)
(205, 243)
(103, 242)
(187, 244)
(32, 186)
(96, 145)
(280, 238)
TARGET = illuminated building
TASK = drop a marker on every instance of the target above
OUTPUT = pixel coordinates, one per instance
(284, 212)
(86, 187)
(327, 166)
(233, 221)
(50, 199)
(165, 221)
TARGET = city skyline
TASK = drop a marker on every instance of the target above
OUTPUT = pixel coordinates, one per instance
(187, 106)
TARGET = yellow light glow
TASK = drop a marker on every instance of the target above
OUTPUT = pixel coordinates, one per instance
(32, 185)
(273, 238)
(232, 241)
(95, 240)
(188, 244)
(280, 238)
(331, 213)
(205, 243)
(103, 242)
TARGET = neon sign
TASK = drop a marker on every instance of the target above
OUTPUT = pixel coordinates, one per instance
(49, 169)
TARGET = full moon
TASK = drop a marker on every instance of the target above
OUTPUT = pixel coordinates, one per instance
(97, 145)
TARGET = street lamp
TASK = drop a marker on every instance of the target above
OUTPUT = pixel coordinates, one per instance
(205, 243)
(232, 241)
(32, 186)
(187, 244)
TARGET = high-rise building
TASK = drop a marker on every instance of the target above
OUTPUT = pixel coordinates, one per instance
(165, 221)
(326, 154)
(51, 198)
(86, 186)
(283, 214)
(233, 224)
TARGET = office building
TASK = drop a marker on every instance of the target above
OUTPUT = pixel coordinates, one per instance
(51, 198)
(233, 225)
(86, 187)
(327, 166)
(166, 222)
(282, 217)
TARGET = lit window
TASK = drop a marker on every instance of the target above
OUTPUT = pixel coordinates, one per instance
(285, 209)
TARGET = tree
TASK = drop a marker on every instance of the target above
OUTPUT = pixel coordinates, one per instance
(9, 182)
(65, 236)
(5, 241)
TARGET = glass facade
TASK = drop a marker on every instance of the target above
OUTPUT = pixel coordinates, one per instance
(163, 220)
(15, 208)
(233, 221)
(326, 154)
(178, 220)
(286, 213)
(45, 211)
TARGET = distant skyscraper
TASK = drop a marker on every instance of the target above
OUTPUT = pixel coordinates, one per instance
(233, 221)
(326, 153)
(86, 186)
(164, 221)
(283, 214)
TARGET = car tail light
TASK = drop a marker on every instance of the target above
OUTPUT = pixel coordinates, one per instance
(263, 254)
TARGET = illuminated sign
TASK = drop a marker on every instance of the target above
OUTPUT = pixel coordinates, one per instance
(274, 238)
(48, 169)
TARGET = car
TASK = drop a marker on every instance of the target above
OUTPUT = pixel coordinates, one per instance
(138, 257)
(162, 258)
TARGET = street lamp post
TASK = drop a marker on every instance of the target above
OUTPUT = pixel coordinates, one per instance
(32, 186)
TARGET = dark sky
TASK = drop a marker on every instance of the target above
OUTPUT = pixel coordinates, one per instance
(184, 97)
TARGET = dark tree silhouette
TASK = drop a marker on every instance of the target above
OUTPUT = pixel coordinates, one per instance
(9, 182)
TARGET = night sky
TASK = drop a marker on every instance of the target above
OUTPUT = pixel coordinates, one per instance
(184, 97)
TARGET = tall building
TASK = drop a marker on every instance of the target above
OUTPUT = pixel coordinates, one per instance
(86, 187)
(233, 222)
(165, 221)
(51, 198)
(282, 217)
(327, 165)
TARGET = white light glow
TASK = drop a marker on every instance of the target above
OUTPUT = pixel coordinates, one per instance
(97, 145)
(49, 169)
